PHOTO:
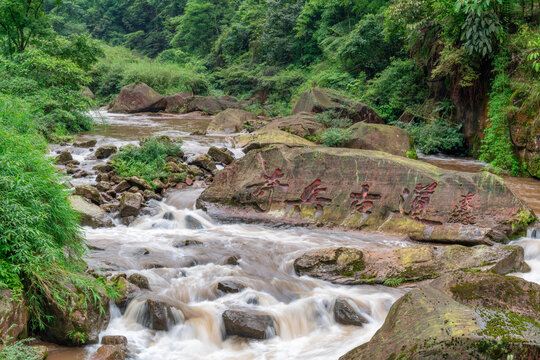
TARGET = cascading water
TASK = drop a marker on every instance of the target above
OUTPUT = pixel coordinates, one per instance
(185, 259)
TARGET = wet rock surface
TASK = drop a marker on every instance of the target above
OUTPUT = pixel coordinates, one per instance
(249, 324)
(90, 214)
(346, 314)
(230, 121)
(354, 266)
(137, 97)
(230, 287)
(366, 190)
(130, 204)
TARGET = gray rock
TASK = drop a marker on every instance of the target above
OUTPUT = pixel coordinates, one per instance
(220, 156)
(249, 324)
(85, 143)
(89, 192)
(192, 223)
(130, 204)
(139, 280)
(105, 151)
(63, 158)
(344, 313)
(90, 214)
(230, 287)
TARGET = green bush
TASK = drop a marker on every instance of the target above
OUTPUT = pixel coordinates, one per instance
(148, 159)
(18, 351)
(41, 245)
(437, 136)
(335, 137)
(331, 119)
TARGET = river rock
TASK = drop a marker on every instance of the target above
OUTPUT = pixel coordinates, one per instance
(230, 287)
(122, 186)
(127, 291)
(105, 151)
(175, 103)
(367, 190)
(204, 161)
(159, 316)
(139, 182)
(207, 104)
(63, 158)
(130, 204)
(390, 139)
(301, 124)
(249, 324)
(78, 321)
(320, 99)
(221, 156)
(110, 352)
(89, 192)
(137, 97)
(232, 260)
(90, 214)
(346, 314)
(139, 280)
(103, 186)
(426, 323)
(388, 266)
(114, 340)
(230, 121)
(269, 136)
(85, 143)
(103, 168)
(13, 316)
(192, 223)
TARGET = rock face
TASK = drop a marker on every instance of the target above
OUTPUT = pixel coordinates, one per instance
(367, 190)
(249, 324)
(130, 204)
(302, 124)
(525, 134)
(353, 266)
(266, 136)
(90, 214)
(230, 121)
(390, 139)
(426, 323)
(75, 323)
(208, 104)
(320, 99)
(13, 316)
(137, 97)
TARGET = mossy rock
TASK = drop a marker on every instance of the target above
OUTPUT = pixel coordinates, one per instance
(390, 139)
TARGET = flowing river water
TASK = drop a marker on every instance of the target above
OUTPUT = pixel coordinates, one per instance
(187, 276)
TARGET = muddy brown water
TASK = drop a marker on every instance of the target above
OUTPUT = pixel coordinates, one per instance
(187, 276)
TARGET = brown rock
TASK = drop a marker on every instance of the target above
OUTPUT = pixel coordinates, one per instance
(139, 280)
(230, 121)
(114, 340)
(103, 186)
(85, 143)
(139, 182)
(249, 324)
(301, 124)
(13, 316)
(90, 214)
(105, 151)
(130, 204)
(204, 161)
(346, 314)
(175, 103)
(110, 352)
(89, 192)
(63, 158)
(367, 190)
(390, 139)
(105, 168)
(230, 287)
(207, 104)
(220, 156)
(137, 97)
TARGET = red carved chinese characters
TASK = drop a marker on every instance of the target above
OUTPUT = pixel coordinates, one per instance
(312, 193)
(268, 187)
(363, 201)
(421, 197)
(463, 211)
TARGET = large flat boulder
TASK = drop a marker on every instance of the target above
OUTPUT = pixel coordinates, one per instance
(230, 121)
(319, 100)
(249, 324)
(427, 323)
(137, 97)
(269, 136)
(390, 139)
(303, 124)
(367, 190)
(393, 266)
(90, 214)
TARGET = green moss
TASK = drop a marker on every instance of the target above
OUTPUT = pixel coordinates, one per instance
(506, 326)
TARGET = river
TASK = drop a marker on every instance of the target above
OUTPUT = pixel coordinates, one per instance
(188, 275)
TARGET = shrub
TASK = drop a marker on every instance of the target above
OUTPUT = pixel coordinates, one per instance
(41, 245)
(331, 119)
(437, 136)
(18, 351)
(148, 159)
(335, 137)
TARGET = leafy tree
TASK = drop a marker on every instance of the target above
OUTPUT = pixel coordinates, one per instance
(20, 22)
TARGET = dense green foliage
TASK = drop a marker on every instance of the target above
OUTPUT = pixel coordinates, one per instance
(18, 351)
(149, 159)
(436, 136)
(335, 137)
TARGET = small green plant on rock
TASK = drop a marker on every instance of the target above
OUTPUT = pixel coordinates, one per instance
(332, 119)
(149, 159)
(335, 137)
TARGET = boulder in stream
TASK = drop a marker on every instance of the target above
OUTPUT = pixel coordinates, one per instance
(230, 287)
(105, 151)
(221, 156)
(157, 315)
(346, 314)
(110, 352)
(428, 324)
(139, 280)
(90, 214)
(205, 161)
(83, 143)
(393, 266)
(130, 204)
(207, 104)
(368, 190)
(63, 158)
(249, 324)
(137, 97)
(89, 192)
